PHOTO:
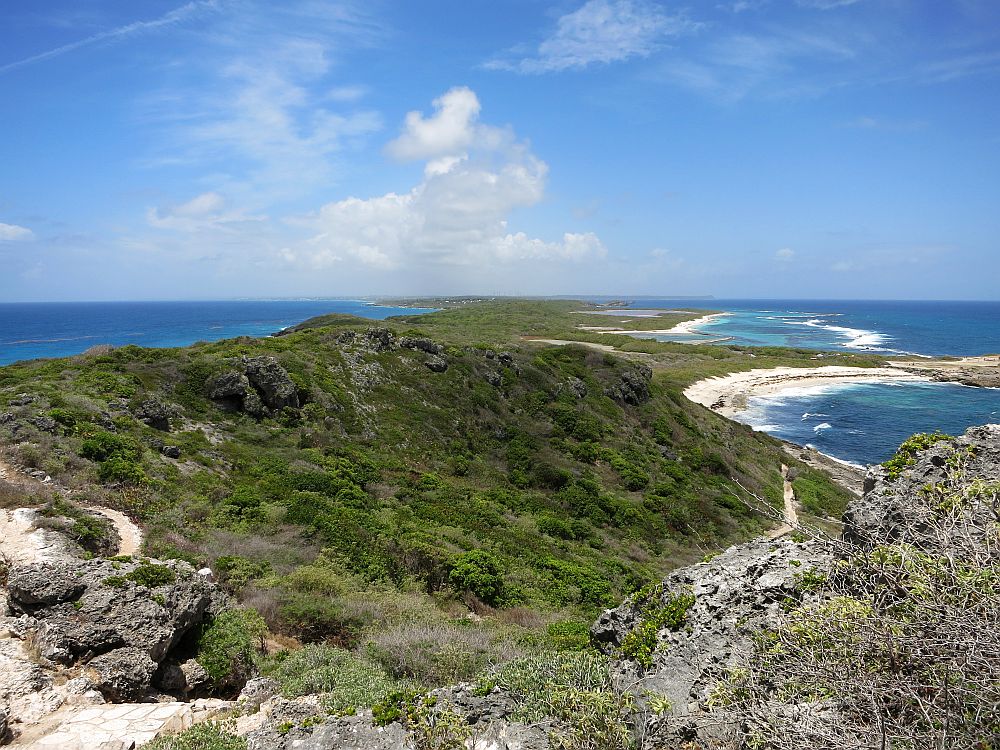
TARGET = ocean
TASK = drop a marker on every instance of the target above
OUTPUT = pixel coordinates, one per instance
(858, 423)
(888, 327)
(61, 329)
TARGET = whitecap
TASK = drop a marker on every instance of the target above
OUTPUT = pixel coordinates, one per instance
(822, 426)
(809, 414)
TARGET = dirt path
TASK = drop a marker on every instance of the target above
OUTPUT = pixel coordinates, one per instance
(789, 511)
(567, 342)
(18, 541)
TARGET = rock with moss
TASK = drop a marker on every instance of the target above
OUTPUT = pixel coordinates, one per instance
(894, 505)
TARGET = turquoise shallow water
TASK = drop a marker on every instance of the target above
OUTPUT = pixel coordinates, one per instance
(860, 423)
(889, 327)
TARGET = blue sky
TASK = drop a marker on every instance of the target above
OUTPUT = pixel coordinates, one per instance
(757, 148)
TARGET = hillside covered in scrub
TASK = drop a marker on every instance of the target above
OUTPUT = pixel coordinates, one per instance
(416, 500)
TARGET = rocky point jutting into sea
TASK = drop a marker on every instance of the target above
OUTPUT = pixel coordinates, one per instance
(886, 637)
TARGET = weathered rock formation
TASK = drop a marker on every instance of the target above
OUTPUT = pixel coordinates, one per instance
(258, 387)
(633, 385)
(120, 619)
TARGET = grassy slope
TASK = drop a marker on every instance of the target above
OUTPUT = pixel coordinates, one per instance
(352, 513)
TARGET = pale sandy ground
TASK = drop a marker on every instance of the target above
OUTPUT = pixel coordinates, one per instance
(991, 360)
(566, 342)
(728, 395)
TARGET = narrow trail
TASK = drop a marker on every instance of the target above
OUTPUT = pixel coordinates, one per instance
(16, 525)
(790, 513)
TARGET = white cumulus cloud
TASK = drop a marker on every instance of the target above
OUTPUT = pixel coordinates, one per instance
(11, 232)
(784, 254)
(475, 176)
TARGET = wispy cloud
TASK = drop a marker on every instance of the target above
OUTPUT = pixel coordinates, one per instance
(12, 232)
(773, 64)
(120, 33)
(267, 118)
(868, 122)
(600, 32)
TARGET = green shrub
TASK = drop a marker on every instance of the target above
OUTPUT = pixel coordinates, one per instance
(569, 635)
(104, 445)
(208, 736)
(906, 455)
(236, 572)
(226, 646)
(640, 643)
(91, 531)
(118, 469)
(151, 575)
(318, 618)
(478, 572)
(347, 679)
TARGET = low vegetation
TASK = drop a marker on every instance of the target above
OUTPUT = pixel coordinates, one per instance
(526, 485)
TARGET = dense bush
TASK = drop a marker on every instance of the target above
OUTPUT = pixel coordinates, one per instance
(437, 654)
(227, 645)
(208, 736)
(480, 573)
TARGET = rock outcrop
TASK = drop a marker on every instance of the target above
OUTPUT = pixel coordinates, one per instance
(155, 413)
(895, 502)
(259, 387)
(632, 386)
(120, 619)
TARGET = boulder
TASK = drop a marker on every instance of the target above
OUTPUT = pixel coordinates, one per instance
(256, 691)
(736, 594)
(229, 389)
(632, 386)
(110, 610)
(171, 451)
(379, 339)
(42, 585)
(272, 382)
(436, 364)
(124, 674)
(421, 344)
(494, 378)
(895, 508)
(45, 423)
(155, 413)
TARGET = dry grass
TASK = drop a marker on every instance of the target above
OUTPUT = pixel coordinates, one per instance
(441, 653)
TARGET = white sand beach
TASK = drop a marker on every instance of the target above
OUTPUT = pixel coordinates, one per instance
(728, 395)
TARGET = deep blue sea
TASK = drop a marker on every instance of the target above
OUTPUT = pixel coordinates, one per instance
(37, 329)
(859, 423)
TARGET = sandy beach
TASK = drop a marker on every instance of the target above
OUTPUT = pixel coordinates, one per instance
(728, 395)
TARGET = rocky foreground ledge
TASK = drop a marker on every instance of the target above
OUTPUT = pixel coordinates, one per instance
(887, 637)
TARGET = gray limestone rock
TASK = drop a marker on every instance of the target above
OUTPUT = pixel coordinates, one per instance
(155, 413)
(633, 385)
(421, 344)
(272, 382)
(33, 586)
(436, 364)
(124, 674)
(110, 610)
(379, 339)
